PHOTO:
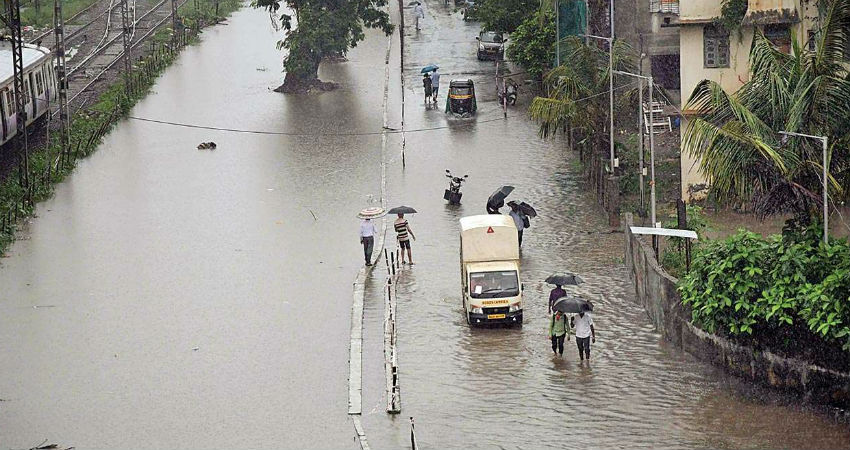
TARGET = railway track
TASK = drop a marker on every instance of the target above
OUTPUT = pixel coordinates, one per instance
(115, 42)
(103, 58)
(40, 37)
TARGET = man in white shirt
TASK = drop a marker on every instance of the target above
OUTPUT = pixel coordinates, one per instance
(583, 324)
(418, 13)
(367, 238)
(435, 84)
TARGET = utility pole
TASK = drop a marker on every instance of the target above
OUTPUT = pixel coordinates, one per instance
(62, 82)
(12, 19)
(125, 37)
(640, 146)
(173, 24)
(611, 84)
(651, 83)
(610, 40)
(652, 154)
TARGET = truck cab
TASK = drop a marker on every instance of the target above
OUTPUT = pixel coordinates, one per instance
(490, 275)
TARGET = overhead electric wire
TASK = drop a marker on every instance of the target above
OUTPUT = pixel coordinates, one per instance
(341, 134)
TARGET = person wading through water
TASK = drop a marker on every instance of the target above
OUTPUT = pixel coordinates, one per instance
(520, 219)
(558, 331)
(404, 233)
(585, 333)
(426, 83)
(555, 294)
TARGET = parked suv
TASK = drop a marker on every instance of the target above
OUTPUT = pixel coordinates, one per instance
(491, 45)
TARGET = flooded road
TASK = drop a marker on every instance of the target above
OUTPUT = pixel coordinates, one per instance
(502, 388)
(175, 298)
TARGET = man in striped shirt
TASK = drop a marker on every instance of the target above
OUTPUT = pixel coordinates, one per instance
(404, 233)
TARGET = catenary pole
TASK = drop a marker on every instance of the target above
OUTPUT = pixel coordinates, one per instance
(61, 82)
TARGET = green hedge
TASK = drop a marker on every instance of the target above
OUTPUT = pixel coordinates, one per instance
(793, 286)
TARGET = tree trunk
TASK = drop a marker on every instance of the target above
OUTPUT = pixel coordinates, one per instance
(305, 78)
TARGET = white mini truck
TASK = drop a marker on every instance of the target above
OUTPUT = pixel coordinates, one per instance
(489, 265)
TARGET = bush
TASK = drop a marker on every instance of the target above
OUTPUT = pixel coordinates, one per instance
(533, 44)
(790, 291)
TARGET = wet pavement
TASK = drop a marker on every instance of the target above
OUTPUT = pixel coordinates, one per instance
(175, 298)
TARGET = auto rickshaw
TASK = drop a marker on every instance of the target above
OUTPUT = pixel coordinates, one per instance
(461, 98)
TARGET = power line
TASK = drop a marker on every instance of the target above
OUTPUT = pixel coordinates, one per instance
(340, 134)
(288, 133)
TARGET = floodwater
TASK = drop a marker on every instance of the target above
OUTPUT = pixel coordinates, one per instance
(174, 298)
(503, 388)
(169, 297)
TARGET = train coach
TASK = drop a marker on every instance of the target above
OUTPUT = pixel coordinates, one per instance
(39, 86)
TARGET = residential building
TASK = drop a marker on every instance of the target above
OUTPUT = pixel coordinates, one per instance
(651, 27)
(708, 51)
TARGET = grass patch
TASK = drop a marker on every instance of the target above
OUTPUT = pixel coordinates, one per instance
(39, 13)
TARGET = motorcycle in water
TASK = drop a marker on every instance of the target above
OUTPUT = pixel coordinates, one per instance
(452, 194)
(507, 96)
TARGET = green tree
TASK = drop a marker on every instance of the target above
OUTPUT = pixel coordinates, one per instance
(533, 45)
(505, 15)
(735, 136)
(322, 28)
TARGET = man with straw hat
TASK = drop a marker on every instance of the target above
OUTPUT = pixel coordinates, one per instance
(368, 231)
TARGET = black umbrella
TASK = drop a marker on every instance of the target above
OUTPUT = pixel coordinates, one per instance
(402, 210)
(527, 209)
(564, 279)
(497, 199)
(572, 305)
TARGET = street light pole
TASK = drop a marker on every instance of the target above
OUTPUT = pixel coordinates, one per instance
(651, 140)
(651, 152)
(824, 140)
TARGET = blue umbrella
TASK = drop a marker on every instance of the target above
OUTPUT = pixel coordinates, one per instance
(429, 68)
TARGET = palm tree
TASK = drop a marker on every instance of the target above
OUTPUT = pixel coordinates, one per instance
(578, 90)
(735, 136)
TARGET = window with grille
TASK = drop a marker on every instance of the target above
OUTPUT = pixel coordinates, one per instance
(780, 36)
(715, 47)
(664, 6)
